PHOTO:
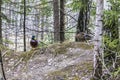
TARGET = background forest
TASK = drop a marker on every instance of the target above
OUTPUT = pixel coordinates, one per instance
(94, 22)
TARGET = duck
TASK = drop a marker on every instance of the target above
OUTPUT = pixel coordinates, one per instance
(33, 42)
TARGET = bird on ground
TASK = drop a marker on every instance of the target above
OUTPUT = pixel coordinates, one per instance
(33, 42)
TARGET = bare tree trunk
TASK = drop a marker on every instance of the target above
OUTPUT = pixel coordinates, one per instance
(119, 30)
(16, 33)
(80, 25)
(24, 31)
(98, 41)
(62, 21)
(6, 31)
(42, 27)
(56, 21)
(37, 22)
(2, 73)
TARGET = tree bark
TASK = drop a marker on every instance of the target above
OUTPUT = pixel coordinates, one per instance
(98, 41)
(2, 73)
(37, 22)
(56, 21)
(80, 25)
(62, 20)
(83, 18)
(16, 32)
(24, 29)
(42, 27)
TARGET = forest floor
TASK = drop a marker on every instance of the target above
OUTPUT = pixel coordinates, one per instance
(67, 61)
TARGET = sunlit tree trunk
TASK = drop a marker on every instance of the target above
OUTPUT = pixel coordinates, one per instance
(98, 41)
(56, 21)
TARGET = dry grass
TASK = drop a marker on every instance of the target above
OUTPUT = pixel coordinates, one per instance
(76, 72)
(62, 48)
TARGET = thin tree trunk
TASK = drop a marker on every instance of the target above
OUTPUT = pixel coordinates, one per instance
(16, 33)
(62, 24)
(37, 20)
(119, 30)
(56, 21)
(98, 41)
(2, 73)
(42, 27)
(6, 31)
(24, 31)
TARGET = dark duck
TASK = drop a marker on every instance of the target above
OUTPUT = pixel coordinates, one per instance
(33, 42)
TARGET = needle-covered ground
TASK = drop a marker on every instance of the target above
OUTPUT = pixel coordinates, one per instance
(66, 61)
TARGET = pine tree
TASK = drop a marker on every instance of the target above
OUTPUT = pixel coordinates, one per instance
(56, 20)
(62, 24)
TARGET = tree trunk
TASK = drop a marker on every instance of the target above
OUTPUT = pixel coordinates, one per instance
(24, 29)
(37, 19)
(80, 25)
(16, 35)
(83, 18)
(2, 73)
(56, 21)
(119, 30)
(42, 27)
(98, 41)
(62, 24)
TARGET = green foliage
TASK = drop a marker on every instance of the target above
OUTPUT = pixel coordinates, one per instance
(42, 44)
(69, 36)
(110, 44)
(110, 17)
(7, 41)
(110, 22)
(113, 44)
(28, 8)
(45, 8)
(115, 5)
(111, 38)
(93, 9)
(76, 5)
(6, 1)
(116, 73)
(4, 17)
